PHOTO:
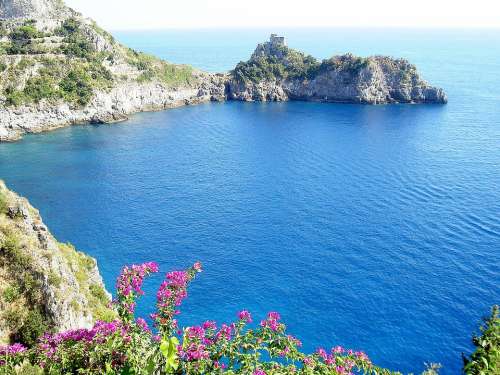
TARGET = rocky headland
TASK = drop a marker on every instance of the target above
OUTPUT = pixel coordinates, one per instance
(44, 285)
(59, 68)
(276, 72)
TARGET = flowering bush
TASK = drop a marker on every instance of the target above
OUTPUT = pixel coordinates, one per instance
(128, 345)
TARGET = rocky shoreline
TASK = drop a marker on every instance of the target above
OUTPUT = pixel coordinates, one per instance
(59, 69)
(106, 107)
(124, 100)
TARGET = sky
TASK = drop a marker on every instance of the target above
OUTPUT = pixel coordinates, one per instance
(162, 14)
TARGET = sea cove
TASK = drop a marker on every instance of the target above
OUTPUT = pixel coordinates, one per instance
(363, 225)
(373, 227)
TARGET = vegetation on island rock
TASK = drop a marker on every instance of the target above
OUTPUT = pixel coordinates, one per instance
(278, 63)
(276, 72)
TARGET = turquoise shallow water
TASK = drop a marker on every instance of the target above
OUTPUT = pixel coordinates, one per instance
(372, 227)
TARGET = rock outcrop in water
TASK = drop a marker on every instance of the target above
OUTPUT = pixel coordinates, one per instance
(43, 284)
(276, 72)
(58, 68)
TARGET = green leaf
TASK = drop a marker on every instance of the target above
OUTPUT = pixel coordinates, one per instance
(164, 346)
(485, 361)
(109, 369)
(169, 351)
(150, 368)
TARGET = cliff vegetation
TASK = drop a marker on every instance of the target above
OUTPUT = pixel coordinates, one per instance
(70, 62)
(486, 358)
(44, 285)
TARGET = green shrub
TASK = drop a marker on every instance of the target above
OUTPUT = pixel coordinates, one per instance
(3, 30)
(41, 87)
(13, 318)
(288, 64)
(77, 86)
(25, 32)
(346, 63)
(99, 293)
(71, 80)
(20, 264)
(4, 48)
(14, 97)
(11, 293)
(11, 252)
(170, 74)
(486, 359)
(68, 27)
(34, 326)
(25, 63)
(54, 279)
(175, 75)
(146, 76)
(140, 60)
(76, 45)
(22, 40)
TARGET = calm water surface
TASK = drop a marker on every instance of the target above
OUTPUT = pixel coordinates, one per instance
(372, 227)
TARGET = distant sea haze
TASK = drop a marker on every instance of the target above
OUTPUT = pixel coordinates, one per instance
(371, 227)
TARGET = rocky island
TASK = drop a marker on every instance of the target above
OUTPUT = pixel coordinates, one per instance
(276, 72)
(59, 68)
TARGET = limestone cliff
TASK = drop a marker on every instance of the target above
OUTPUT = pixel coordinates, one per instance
(40, 10)
(276, 72)
(44, 285)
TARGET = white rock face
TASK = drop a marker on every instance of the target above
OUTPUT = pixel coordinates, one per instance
(30, 9)
(107, 107)
(47, 13)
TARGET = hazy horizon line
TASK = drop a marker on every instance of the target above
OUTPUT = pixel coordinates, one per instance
(277, 28)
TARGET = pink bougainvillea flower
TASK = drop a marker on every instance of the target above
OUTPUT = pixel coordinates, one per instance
(245, 316)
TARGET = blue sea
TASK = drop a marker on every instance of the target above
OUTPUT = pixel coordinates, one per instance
(371, 227)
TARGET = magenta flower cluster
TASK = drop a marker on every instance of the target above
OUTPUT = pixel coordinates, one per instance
(272, 322)
(50, 344)
(9, 351)
(128, 343)
(172, 291)
(245, 316)
(128, 287)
